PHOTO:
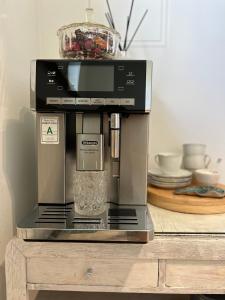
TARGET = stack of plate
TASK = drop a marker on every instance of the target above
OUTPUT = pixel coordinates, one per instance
(179, 179)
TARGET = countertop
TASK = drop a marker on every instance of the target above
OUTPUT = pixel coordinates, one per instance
(169, 222)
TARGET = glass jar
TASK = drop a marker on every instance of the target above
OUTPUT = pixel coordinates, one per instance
(88, 40)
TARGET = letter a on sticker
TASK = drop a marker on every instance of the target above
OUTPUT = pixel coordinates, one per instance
(49, 131)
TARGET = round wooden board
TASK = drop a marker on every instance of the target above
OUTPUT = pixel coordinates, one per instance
(185, 203)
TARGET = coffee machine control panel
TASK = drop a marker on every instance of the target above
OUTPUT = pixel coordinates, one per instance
(99, 85)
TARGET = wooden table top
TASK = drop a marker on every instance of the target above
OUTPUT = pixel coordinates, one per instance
(166, 221)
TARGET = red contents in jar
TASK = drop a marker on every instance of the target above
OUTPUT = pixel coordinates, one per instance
(88, 44)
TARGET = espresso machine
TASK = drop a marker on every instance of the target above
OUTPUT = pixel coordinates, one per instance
(92, 132)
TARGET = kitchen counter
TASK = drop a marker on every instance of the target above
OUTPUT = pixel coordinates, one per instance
(175, 223)
(186, 256)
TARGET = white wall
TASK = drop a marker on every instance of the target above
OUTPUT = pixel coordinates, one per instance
(189, 90)
(189, 70)
(17, 47)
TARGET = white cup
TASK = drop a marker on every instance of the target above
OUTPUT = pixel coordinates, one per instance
(168, 163)
(196, 161)
(207, 177)
(194, 149)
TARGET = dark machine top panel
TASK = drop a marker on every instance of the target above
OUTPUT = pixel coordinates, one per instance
(99, 85)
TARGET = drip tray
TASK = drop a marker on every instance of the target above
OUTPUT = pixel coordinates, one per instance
(118, 224)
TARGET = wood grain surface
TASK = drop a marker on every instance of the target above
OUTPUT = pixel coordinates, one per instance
(166, 222)
(195, 274)
(16, 273)
(167, 264)
(124, 273)
(184, 203)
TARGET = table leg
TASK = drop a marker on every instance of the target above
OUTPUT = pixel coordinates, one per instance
(15, 268)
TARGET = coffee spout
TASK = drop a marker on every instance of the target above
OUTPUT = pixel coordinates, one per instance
(115, 135)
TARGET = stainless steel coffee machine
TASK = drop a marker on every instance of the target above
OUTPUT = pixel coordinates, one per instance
(92, 123)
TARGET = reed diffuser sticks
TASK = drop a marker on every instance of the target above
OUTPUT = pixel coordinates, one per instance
(109, 17)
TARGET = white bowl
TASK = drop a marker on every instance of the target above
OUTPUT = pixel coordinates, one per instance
(207, 177)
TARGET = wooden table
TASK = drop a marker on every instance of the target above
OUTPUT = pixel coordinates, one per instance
(186, 256)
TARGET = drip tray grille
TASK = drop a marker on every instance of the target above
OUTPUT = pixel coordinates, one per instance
(86, 220)
(55, 214)
(49, 222)
(56, 211)
(123, 222)
(52, 218)
(117, 223)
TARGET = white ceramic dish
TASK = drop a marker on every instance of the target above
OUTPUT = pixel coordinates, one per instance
(179, 174)
(196, 161)
(169, 185)
(169, 180)
(194, 149)
(207, 177)
(168, 162)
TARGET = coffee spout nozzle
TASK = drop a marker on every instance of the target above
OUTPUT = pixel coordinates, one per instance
(115, 135)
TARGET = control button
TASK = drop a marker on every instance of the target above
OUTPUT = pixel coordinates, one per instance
(112, 101)
(97, 101)
(68, 101)
(51, 73)
(51, 81)
(83, 101)
(52, 100)
(130, 74)
(120, 88)
(121, 68)
(130, 82)
(127, 101)
(60, 67)
(59, 87)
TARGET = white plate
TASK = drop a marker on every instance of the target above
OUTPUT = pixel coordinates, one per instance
(179, 174)
(168, 179)
(170, 185)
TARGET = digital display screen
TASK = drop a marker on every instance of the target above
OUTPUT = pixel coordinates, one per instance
(90, 78)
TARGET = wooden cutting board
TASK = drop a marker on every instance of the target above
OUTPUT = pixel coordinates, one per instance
(184, 203)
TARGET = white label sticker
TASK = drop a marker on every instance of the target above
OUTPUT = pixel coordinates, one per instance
(49, 130)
